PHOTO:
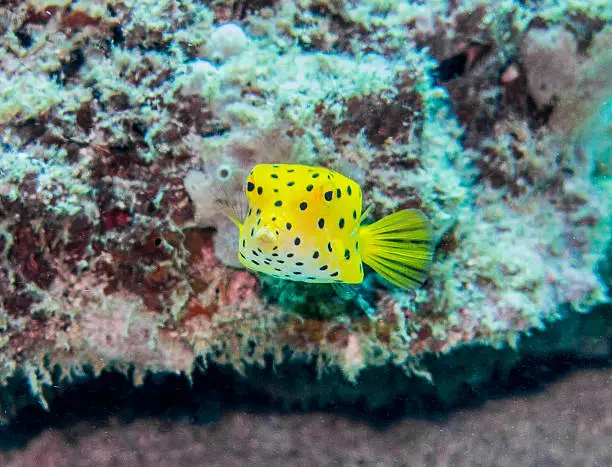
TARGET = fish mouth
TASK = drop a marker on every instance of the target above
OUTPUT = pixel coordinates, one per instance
(265, 238)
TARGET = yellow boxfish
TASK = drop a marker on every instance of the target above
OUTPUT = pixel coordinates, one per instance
(305, 224)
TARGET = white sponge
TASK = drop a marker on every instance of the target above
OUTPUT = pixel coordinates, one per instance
(226, 41)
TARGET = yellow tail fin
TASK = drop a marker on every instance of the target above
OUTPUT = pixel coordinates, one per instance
(399, 247)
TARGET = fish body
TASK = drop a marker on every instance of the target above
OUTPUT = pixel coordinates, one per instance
(304, 224)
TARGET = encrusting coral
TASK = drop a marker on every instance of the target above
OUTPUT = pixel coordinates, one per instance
(122, 123)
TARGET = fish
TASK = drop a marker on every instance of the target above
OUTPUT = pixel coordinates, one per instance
(306, 224)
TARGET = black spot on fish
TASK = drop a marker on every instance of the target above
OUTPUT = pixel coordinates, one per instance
(321, 223)
(275, 248)
(303, 206)
(259, 249)
(323, 268)
(299, 263)
(242, 255)
(254, 262)
(278, 203)
(357, 246)
(329, 247)
(258, 212)
(315, 175)
(341, 223)
(290, 170)
(277, 269)
(275, 166)
(259, 221)
(354, 214)
(315, 255)
(280, 261)
(288, 225)
(243, 243)
(255, 253)
(310, 278)
(250, 186)
(274, 219)
(297, 273)
(309, 187)
(297, 241)
(338, 193)
(290, 183)
(274, 176)
(267, 262)
(290, 255)
(347, 254)
(328, 195)
(275, 190)
(334, 274)
(252, 231)
(349, 191)
(275, 254)
(259, 190)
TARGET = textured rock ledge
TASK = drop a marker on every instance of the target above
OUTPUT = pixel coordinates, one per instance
(464, 376)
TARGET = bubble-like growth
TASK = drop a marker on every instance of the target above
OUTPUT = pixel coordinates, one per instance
(225, 41)
(224, 172)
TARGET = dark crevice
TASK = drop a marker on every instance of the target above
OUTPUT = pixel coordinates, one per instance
(220, 390)
(452, 67)
(117, 36)
(70, 67)
(24, 38)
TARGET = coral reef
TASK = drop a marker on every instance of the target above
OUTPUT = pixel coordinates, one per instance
(123, 123)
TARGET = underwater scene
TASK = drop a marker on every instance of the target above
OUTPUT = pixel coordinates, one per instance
(305, 232)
